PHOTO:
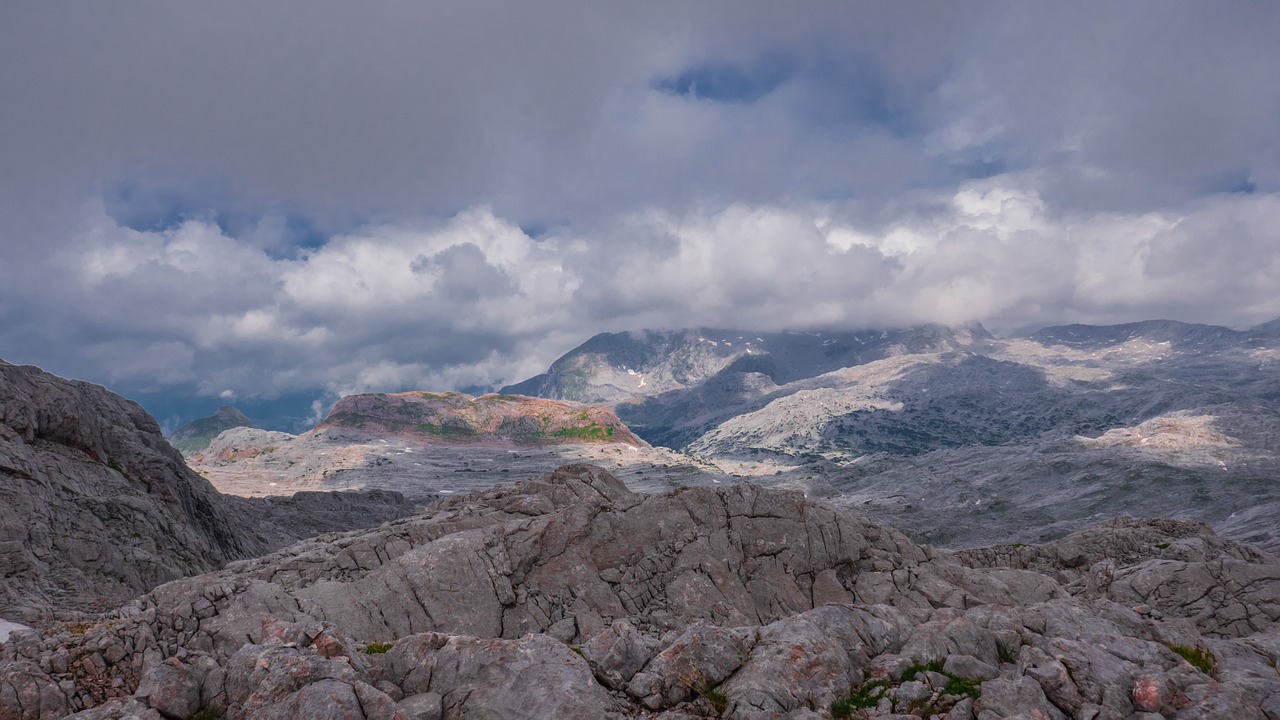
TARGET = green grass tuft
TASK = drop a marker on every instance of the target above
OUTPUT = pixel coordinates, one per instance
(1005, 654)
(917, 668)
(1199, 658)
(377, 648)
(867, 696)
(962, 686)
(717, 698)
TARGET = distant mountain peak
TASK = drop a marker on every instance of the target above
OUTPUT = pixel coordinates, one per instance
(195, 436)
(231, 413)
(629, 366)
(1171, 331)
(1270, 328)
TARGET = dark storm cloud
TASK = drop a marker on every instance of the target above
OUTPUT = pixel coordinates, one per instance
(258, 199)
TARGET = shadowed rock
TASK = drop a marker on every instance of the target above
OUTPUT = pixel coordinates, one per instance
(96, 508)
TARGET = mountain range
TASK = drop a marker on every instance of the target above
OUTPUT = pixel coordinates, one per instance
(755, 578)
(958, 436)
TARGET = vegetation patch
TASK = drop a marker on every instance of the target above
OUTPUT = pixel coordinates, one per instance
(916, 668)
(594, 431)
(1200, 659)
(711, 693)
(873, 692)
(957, 685)
(1005, 654)
(111, 463)
(377, 648)
(446, 430)
(867, 696)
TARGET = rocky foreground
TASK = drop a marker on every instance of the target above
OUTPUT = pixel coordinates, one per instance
(569, 596)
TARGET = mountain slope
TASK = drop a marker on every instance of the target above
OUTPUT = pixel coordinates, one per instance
(613, 367)
(95, 506)
(196, 435)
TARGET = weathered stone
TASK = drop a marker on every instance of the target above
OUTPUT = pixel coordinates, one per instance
(423, 706)
(968, 666)
(726, 577)
(700, 658)
(172, 688)
(617, 653)
(97, 507)
(814, 657)
(1009, 698)
(536, 676)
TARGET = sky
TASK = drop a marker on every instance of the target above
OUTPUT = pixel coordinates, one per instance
(235, 203)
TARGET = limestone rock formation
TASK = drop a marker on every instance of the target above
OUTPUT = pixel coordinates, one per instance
(239, 443)
(96, 508)
(570, 596)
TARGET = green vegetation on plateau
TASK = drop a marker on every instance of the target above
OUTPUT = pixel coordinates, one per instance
(454, 417)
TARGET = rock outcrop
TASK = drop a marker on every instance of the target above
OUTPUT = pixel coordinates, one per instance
(96, 508)
(570, 596)
(239, 443)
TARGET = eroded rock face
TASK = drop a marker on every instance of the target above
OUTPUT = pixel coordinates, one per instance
(96, 508)
(570, 596)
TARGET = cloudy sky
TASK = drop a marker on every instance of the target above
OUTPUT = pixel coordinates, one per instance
(311, 198)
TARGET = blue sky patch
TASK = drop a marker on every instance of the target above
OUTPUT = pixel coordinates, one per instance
(730, 83)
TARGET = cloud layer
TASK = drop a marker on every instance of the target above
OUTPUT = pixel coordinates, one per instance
(253, 201)
(475, 301)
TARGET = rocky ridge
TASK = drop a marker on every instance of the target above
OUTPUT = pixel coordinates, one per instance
(570, 596)
(96, 508)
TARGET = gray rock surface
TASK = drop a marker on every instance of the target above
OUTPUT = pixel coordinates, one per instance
(735, 602)
(96, 508)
